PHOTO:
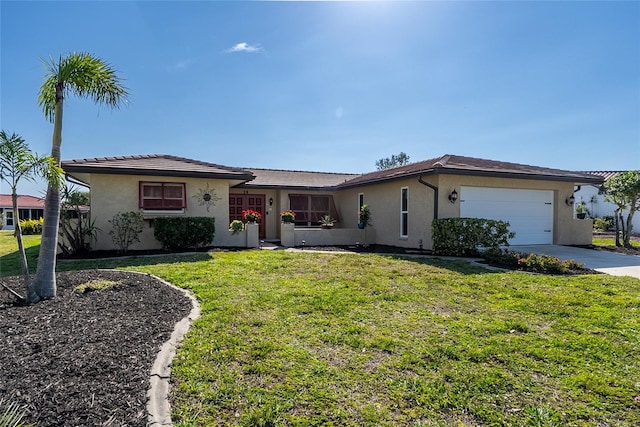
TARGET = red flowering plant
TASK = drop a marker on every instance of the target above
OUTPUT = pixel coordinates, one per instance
(287, 216)
(251, 216)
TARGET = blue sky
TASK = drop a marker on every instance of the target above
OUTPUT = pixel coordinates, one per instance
(332, 86)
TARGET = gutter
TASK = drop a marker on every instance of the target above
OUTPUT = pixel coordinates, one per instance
(76, 181)
(435, 195)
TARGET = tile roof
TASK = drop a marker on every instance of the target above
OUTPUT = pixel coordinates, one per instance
(24, 201)
(159, 164)
(460, 165)
(607, 175)
(296, 179)
(154, 164)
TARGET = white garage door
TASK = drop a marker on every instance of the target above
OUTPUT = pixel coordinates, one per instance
(529, 212)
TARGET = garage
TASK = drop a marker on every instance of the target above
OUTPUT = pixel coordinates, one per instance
(529, 212)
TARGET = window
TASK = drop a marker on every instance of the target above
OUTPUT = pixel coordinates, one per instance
(309, 209)
(162, 196)
(360, 203)
(404, 212)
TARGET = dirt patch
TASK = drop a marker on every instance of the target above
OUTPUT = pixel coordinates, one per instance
(83, 359)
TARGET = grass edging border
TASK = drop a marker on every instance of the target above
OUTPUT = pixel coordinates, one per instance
(158, 407)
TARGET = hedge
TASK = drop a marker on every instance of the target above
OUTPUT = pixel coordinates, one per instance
(464, 236)
(184, 232)
(31, 226)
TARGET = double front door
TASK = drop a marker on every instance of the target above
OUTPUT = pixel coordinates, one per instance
(243, 202)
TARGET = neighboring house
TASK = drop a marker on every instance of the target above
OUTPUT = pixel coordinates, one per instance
(403, 200)
(29, 207)
(596, 204)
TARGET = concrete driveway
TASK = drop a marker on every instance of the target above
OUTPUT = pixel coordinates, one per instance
(603, 261)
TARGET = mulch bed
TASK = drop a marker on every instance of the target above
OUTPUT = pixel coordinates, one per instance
(85, 359)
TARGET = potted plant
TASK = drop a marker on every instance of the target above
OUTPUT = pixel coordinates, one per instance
(364, 216)
(251, 216)
(326, 221)
(236, 226)
(581, 211)
(287, 216)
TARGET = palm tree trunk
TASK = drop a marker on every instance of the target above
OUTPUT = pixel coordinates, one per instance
(32, 297)
(45, 281)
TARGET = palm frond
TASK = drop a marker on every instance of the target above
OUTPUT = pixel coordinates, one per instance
(83, 75)
(18, 162)
(47, 94)
(11, 414)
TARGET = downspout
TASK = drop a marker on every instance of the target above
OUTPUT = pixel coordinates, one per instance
(435, 195)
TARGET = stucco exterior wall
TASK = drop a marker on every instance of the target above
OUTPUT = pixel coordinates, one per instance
(564, 226)
(384, 201)
(112, 194)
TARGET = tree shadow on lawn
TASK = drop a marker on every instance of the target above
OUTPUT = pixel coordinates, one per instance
(130, 261)
(10, 263)
(466, 266)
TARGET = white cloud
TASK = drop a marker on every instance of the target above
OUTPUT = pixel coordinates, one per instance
(244, 47)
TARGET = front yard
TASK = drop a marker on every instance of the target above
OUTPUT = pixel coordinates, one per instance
(299, 339)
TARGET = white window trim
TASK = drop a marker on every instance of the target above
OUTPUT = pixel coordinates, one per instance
(403, 212)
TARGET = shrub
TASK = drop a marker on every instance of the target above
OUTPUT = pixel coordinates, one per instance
(605, 223)
(76, 230)
(236, 226)
(463, 236)
(31, 226)
(531, 262)
(126, 230)
(546, 264)
(184, 232)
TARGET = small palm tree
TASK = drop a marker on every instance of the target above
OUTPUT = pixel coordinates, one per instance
(85, 76)
(17, 162)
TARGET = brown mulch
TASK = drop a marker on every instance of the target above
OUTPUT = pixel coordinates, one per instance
(85, 359)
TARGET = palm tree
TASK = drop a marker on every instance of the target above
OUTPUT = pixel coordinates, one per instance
(18, 162)
(85, 76)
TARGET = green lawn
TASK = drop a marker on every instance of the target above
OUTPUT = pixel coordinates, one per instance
(304, 339)
(606, 241)
(9, 259)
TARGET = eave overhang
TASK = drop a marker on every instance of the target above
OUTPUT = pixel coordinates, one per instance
(577, 179)
(71, 169)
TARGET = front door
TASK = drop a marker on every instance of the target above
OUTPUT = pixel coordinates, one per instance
(243, 202)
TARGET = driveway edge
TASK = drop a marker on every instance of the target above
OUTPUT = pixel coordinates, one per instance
(158, 407)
